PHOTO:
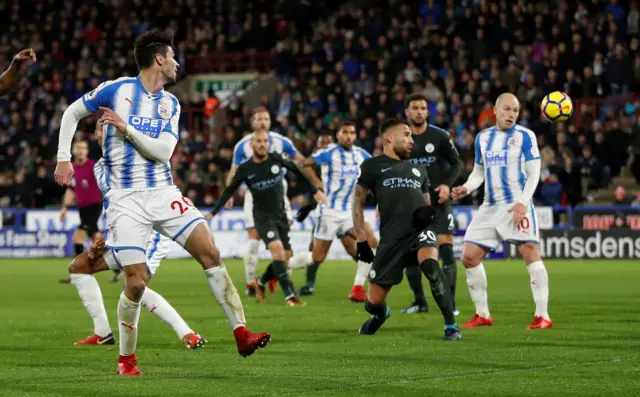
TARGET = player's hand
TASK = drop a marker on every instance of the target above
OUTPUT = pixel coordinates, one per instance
(364, 252)
(320, 186)
(208, 216)
(111, 118)
(25, 55)
(459, 192)
(96, 248)
(320, 197)
(444, 193)
(63, 173)
(229, 204)
(63, 214)
(519, 211)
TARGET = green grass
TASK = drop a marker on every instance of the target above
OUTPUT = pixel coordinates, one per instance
(593, 349)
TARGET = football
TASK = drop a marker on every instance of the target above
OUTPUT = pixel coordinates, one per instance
(556, 107)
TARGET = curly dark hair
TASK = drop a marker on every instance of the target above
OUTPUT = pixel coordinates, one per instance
(150, 43)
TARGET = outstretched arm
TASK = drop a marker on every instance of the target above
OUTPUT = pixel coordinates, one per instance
(227, 194)
(475, 178)
(311, 173)
(357, 212)
(8, 78)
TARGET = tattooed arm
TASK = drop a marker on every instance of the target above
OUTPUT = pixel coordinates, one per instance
(357, 212)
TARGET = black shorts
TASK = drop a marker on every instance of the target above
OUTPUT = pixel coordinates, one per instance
(89, 216)
(270, 230)
(444, 223)
(393, 256)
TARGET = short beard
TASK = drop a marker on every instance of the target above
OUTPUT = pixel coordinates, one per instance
(417, 124)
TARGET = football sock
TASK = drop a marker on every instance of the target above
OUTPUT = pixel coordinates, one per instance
(227, 295)
(477, 283)
(280, 271)
(79, 248)
(267, 275)
(539, 287)
(300, 260)
(251, 260)
(128, 316)
(439, 288)
(159, 307)
(449, 268)
(414, 276)
(362, 273)
(376, 309)
(89, 291)
(312, 271)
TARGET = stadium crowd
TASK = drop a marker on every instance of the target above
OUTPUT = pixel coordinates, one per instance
(359, 64)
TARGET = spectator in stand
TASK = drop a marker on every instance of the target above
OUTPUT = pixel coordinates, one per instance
(590, 169)
(620, 197)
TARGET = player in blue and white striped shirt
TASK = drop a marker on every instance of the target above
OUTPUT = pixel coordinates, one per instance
(340, 166)
(507, 160)
(141, 135)
(261, 121)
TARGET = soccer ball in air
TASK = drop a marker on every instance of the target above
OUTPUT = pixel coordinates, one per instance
(556, 107)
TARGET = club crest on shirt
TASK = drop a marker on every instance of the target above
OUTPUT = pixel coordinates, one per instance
(415, 172)
(429, 148)
(275, 169)
(164, 108)
(511, 142)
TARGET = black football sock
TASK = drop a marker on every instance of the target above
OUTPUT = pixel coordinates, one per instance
(449, 268)
(312, 271)
(439, 288)
(267, 275)
(280, 271)
(78, 248)
(414, 276)
(376, 309)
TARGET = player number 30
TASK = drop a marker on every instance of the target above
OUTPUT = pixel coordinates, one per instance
(428, 235)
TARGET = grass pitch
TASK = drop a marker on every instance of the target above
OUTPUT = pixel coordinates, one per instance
(593, 349)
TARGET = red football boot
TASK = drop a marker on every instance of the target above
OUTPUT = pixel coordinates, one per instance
(127, 366)
(478, 321)
(193, 341)
(358, 294)
(273, 284)
(248, 342)
(97, 340)
(540, 323)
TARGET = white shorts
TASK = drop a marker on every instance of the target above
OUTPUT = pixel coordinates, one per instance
(248, 209)
(493, 224)
(157, 249)
(331, 224)
(131, 216)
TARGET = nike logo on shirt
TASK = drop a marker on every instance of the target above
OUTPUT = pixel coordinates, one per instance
(385, 169)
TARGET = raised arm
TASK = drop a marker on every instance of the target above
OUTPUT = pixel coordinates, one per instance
(8, 78)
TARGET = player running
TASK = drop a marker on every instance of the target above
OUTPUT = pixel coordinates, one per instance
(141, 136)
(407, 237)
(85, 192)
(263, 175)
(340, 164)
(261, 121)
(8, 78)
(433, 148)
(503, 152)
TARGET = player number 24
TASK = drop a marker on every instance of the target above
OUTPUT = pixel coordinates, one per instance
(177, 205)
(428, 235)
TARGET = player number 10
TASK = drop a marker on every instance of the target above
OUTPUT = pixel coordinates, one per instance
(178, 205)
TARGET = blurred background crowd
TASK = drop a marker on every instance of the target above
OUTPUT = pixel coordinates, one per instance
(334, 61)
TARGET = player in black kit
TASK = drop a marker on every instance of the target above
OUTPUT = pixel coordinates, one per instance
(407, 237)
(263, 175)
(433, 148)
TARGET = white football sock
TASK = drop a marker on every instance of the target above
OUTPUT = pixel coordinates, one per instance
(251, 260)
(477, 283)
(227, 295)
(362, 273)
(128, 316)
(159, 306)
(539, 288)
(301, 260)
(89, 291)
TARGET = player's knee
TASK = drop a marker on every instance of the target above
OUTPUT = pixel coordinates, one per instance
(469, 260)
(530, 252)
(136, 289)
(210, 257)
(80, 264)
(317, 257)
(445, 239)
